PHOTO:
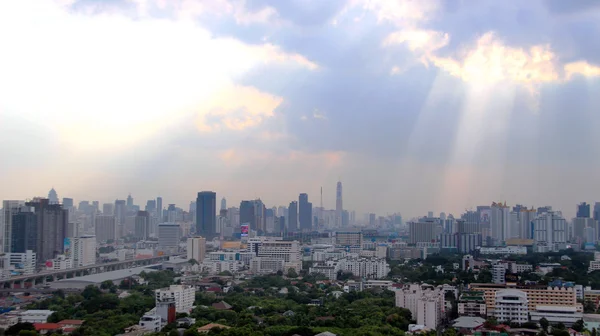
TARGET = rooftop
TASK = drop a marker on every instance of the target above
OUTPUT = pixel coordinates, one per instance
(113, 275)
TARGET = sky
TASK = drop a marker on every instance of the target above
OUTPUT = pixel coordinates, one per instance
(416, 106)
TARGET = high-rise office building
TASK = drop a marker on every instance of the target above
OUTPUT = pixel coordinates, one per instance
(159, 209)
(583, 210)
(223, 203)
(420, 232)
(108, 209)
(206, 214)
(106, 228)
(142, 225)
(196, 248)
(24, 230)
(52, 224)
(120, 215)
(169, 235)
(260, 216)
(9, 208)
(339, 208)
(305, 212)
(151, 206)
(129, 202)
(293, 216)
(247, 214)
(53, 197)
(67, 203)
(597, 211)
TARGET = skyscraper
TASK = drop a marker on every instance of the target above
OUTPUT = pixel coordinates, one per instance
(159, 209)
(583, 210)
(106, 228)
(247, 214)
(206, 214)
(142, 225)
(53, 196)
(120, 215)
(9, 209)
(223, 203)
(293, 216)
(108, 209)
(67, 203)
(305, 212)
(196, 248)
(129, 201)
(339, 209)
(52, 223)
(597, 211)
(24, 231)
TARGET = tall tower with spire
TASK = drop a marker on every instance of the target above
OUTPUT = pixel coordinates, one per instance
(339, 208)
(53, 196)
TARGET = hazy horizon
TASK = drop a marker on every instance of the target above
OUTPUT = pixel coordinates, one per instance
(415, 106)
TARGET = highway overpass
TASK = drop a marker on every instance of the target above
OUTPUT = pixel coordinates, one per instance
(32, 280)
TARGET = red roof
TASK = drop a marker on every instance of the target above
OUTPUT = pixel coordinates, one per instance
(46, 326)
(71, 322)
(214, 289)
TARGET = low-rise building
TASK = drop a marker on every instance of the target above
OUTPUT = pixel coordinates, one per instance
(522, 250)
(330, 272)
(35, 315)
(556, 314)
(264, 265)
(472, 303)
(151, 322)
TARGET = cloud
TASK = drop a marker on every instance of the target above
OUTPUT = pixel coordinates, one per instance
(492, 61)
(581, 68)
(236, 108)
(84, 75)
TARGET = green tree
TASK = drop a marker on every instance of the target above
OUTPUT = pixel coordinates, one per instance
(292, 273)
(578, 326)
(15, 329)
(544, 324)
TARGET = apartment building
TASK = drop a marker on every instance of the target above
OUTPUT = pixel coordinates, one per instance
(472, 303)
(370, 268)
(183, 295)
(425, 302)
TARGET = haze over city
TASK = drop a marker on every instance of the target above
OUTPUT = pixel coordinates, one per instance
(415, 105)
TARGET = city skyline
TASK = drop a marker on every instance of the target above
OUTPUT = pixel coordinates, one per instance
(415, 105)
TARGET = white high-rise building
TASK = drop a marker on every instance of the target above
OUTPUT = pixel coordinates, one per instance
(183, 295)
(83, 250)
(511, 305)
(498, 274)
(196, 248)
(550, 232)
(425, 302)
(500, 223)
(274, 248)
